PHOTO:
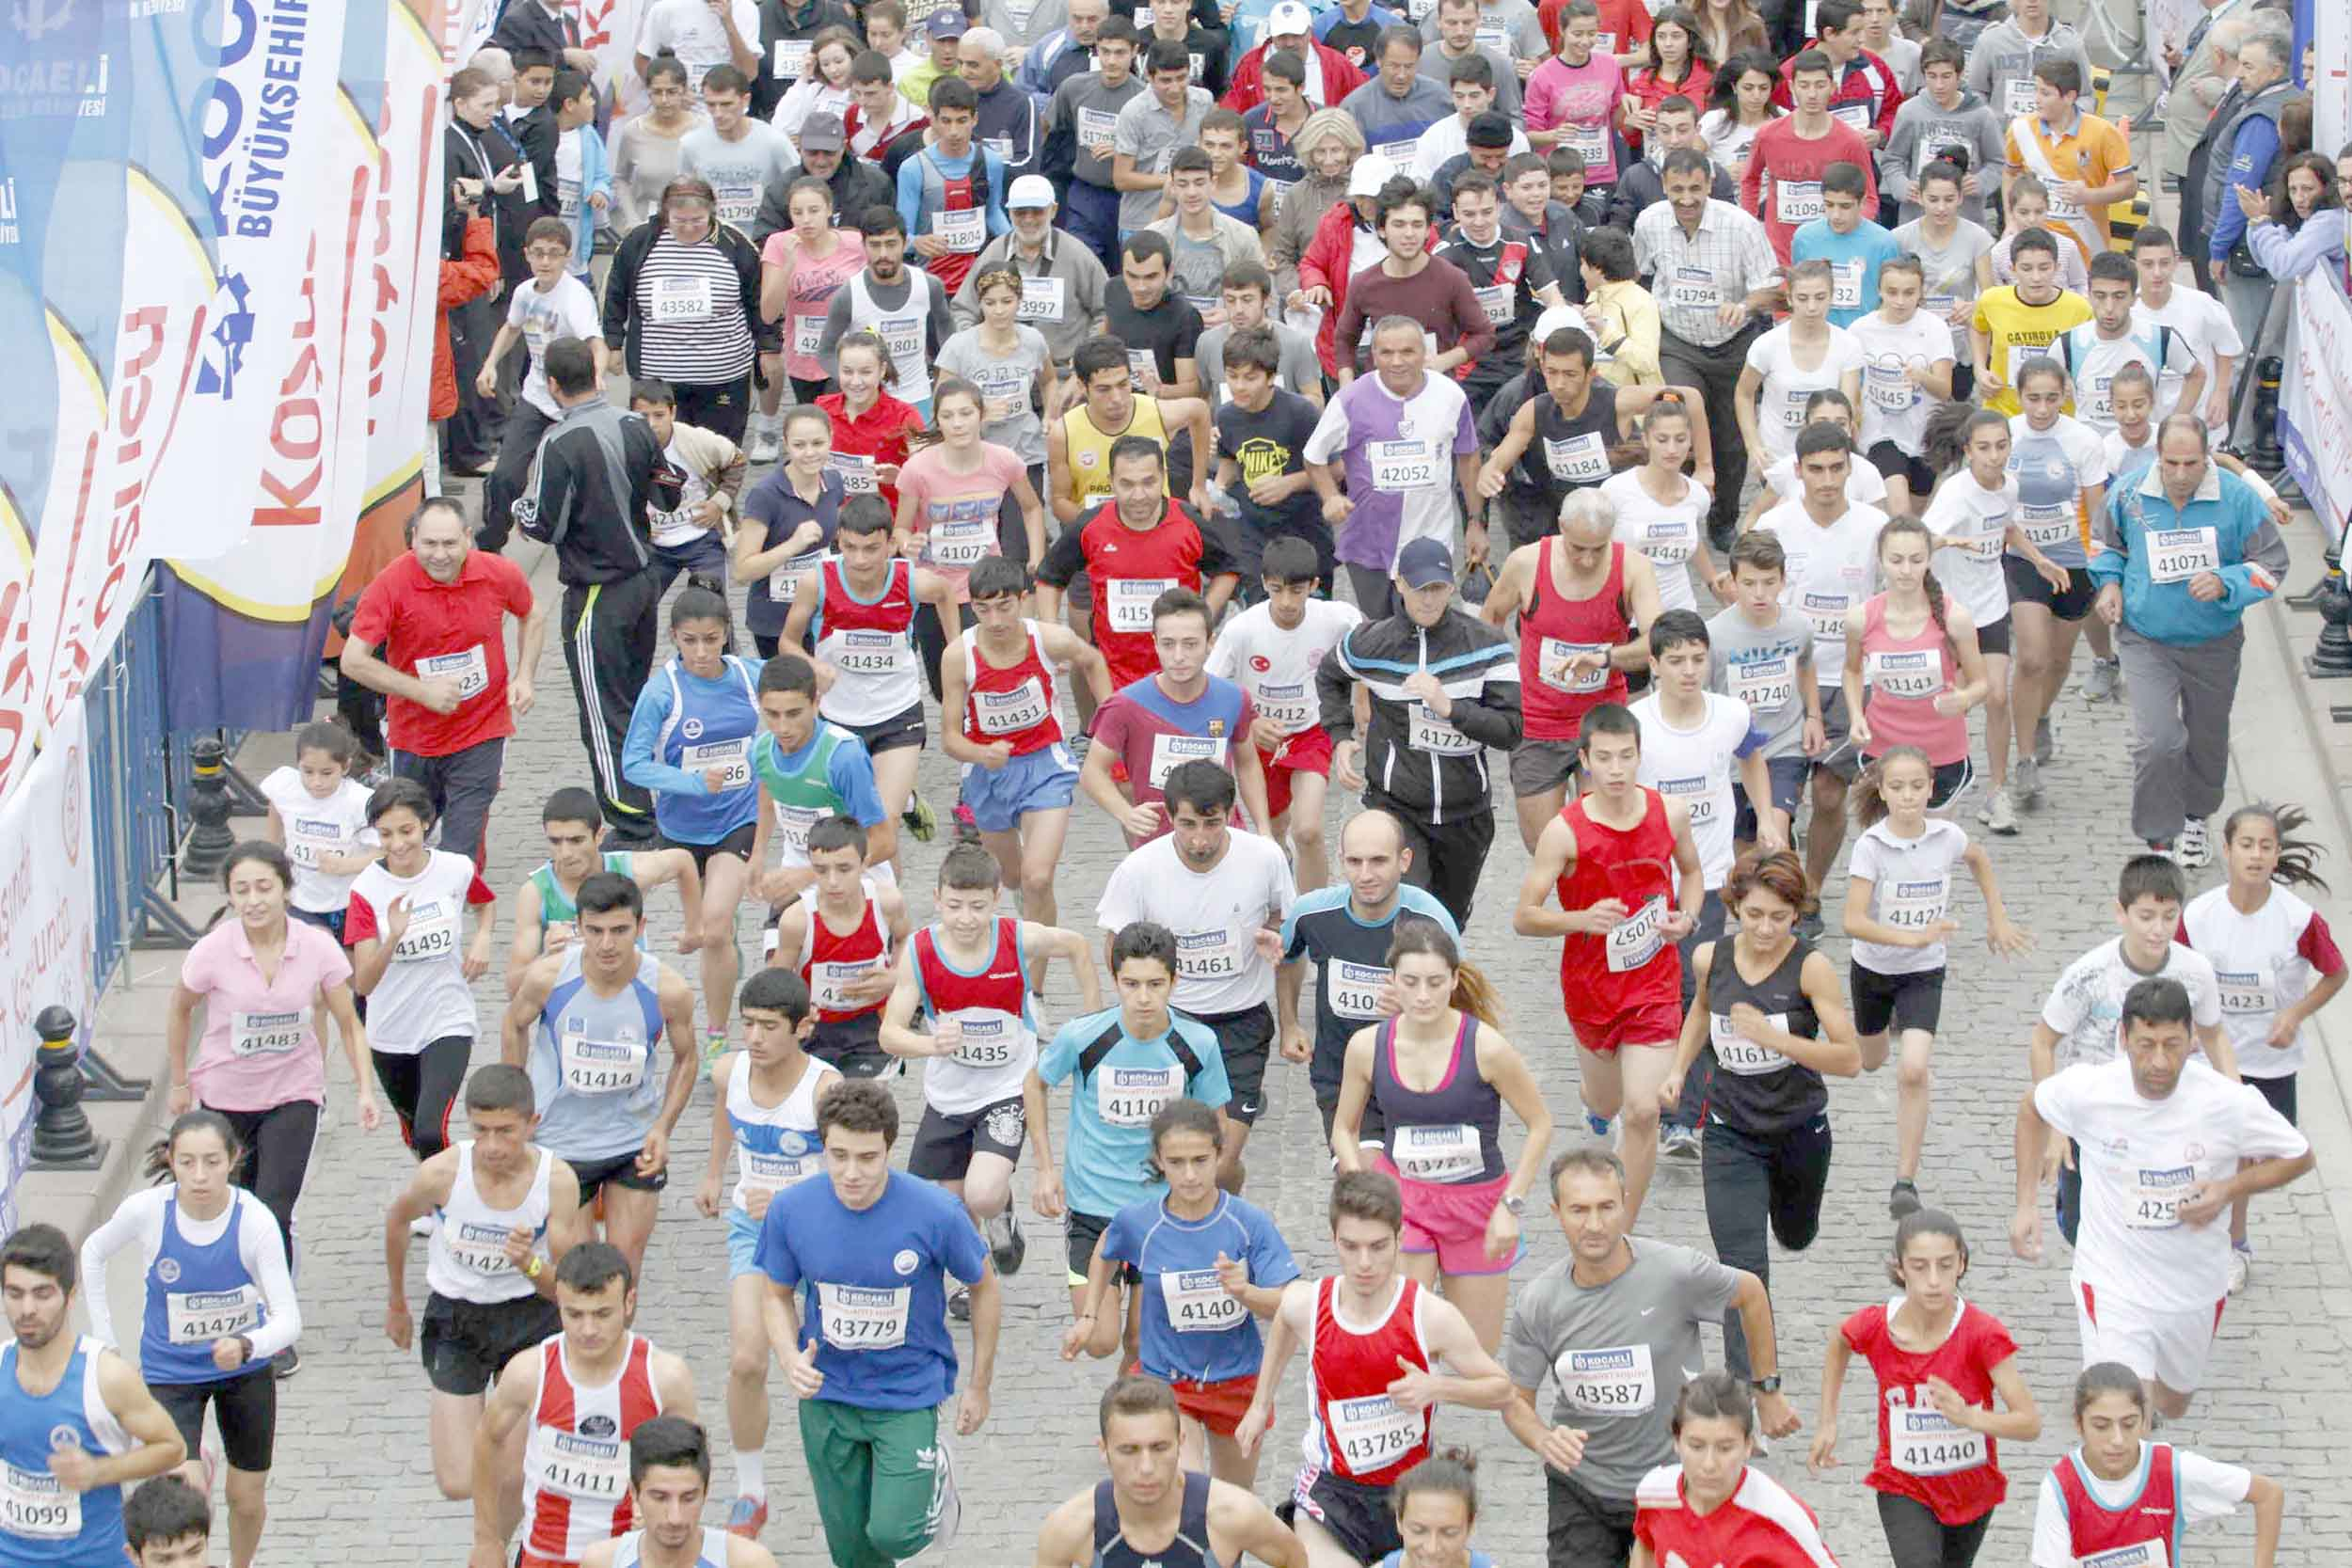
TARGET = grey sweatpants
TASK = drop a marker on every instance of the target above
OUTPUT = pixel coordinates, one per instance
(2181, 698)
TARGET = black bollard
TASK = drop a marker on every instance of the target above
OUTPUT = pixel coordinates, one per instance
(210, 840)
(62, 1136)
(2269, 457)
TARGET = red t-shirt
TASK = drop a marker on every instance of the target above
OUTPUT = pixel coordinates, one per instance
(423, 627)
(1624, 23)
(1783, 179)
(1762, 1525)
(878, 435)
(1933, 1445)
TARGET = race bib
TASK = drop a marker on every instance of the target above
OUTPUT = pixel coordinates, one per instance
(312, 839)
(571, 1465)
(470, 670)
(1399, 155)
(738, 207)
(965, 542)
(1797, 200)
(1398, 467)
(2144, 1554)
(829, 983)
(1171, 752)
(1096, 129)
(1374, 1431)
(1438, 1154)
(870, 653)
(1921, 1442)
(1845, 286)
(792, 824)
(2178, 554)
(857, 473)
(1636, 939)
(1579, 460)
(1914, 905)
(481, 1248)
(1588, 142)
(1144, 366)
(858, 1317)
(599, 1066)
(733, 755)
(1206, 955)
(1765, 684)
(37, 1507)
(963, 231)
(1355, 989)
(1670, 544)
(268, 1033)
(1736, 1052)
(1551, 664)
(773, 1173)
(2063, 211)
(808, 333)
(2047, 525)
(1692, 288)
(2017, 96)
(678, 299)
(1023, 707)
(1889, 387)
(2156, 1194)
(1430, 733)
(199, 1317)
(432, 933)
(1826, 614)
(1286, 705)
(673, 529)
(1127, 601)
(1854, 117)
(2253, 992)
(2097, 398)
(1196, 1302)
(1700, 794)
(1131, 1096)
(1619, 1381)
(791, 58)
(1904, 672)
(983, 1040)
(1041, 299)
(1497, 301)
(783, 583)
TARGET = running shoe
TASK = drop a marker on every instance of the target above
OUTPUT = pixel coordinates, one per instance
(1597, 1125)
(1810, 928)
(2000, 812)
(2024, 782)
(2195, 848)
(2044, 739)
(746, 1517)
(767, 445)
(920, 820)
(967, 825)
(2241, 1264)
(1904, 1198)
(2106, 675)
(1005, 1243)
(959, 1304)
(425, 1225)
(285, 1363)
(2164, 846)
(714, 1047)
(1678, 1143)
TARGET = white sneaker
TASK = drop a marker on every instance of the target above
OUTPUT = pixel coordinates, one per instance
(2000, 812)
(2046, 738)
(424, 1224)
(2106, 676)
(2241, 1264)
(2025, 782)
(766, 442)
(2194, 849)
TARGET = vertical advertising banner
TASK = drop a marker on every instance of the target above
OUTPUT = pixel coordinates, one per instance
(46, 911)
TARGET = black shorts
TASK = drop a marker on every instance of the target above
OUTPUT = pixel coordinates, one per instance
(945, 1143)
(1580, 1527)
(901, 729)
(1950, 779)
(1086, 1233)
(244, 1405)
(1786, 774)
(852, 1044)
(2280, 1091)
(1246, 1040)
(466, 1344)
(619, 1171)
(1993, 639)
(2028, 586)
(1358, 1516)
(1837, 758)
(1909, 1000)
(1371, 1129)
(737, 844)
(1892, 462)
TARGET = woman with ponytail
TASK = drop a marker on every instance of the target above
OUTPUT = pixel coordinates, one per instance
(1439, 1074)
(1968, 523)
(2275, 957)
(1912, 670)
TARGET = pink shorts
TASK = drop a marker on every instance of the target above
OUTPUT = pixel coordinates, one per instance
(1449, 1218)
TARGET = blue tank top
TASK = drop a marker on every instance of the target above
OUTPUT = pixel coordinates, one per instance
(1245, 210)
(43, 1525)
(1189, 1549)
(591, 1063)
(198, 1293)
(712, 722)
(1448, 1134)
(2049, 493)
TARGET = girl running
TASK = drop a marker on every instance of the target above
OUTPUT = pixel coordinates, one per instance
(1740, 104)
(2275, 957)
(1662, 514)
(950, 495)
(319, 812)
(871, 429)
(1969, 519)
(808, 492)
(800, 269)
(1711, 1505)
(2061, 470)
(1899, 888)
(1901, 646)
(1439, 1074)
(1436, 1504)
(1939, 1362)
(1014, 366)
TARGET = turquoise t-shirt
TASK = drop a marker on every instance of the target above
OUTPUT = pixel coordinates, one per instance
(1112, 1106)
(1854, 260)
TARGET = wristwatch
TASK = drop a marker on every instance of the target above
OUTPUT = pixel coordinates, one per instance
(534, 1267)
(1766, 1384)
(1516, 1204)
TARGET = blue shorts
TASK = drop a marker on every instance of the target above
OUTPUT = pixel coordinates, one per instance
(743, 1242)
(1787, 774)
(708, 553)
(1044, 780)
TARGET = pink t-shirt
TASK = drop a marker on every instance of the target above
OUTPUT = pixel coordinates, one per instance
(1580, 101)
(956, 514)
(814, 282)
(258, 1050)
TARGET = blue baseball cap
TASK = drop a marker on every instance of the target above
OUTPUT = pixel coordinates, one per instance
(1424, 564)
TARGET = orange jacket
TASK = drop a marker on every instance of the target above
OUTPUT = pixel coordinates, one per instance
(469, 278)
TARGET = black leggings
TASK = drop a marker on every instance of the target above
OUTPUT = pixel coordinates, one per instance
(277, 1144)
(930, 642)
(1754, 1181)
(1916, 1538)
(423, 1089)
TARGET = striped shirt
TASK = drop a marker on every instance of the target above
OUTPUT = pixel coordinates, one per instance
(1692, 275)
(691, 326)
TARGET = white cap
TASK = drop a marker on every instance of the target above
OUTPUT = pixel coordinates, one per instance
(1287, 18)
(1553, 319)
(1371, 172)
(1029, 190)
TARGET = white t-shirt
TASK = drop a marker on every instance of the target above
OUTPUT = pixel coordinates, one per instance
(1975, 522)
(1892, 408)
(2086, 1006)
(2262, 962)
(1694, 765)
(1911, 888)
(2202, 1489)
(1277, 668)
(1216, 915)
(566, 310)
(424, 995)
(1830, 572)
(1668, 535)
(567, 174)
(2205, 323)
(691, 30)
(1780, 408)
(2094, 360)
(336, 826)
(2140, 1157)
(1864, 484)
